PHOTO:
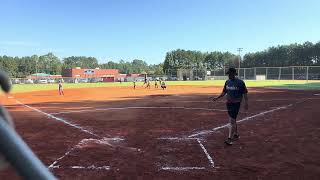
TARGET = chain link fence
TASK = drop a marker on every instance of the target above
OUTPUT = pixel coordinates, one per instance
(272, 73)
(256, 73)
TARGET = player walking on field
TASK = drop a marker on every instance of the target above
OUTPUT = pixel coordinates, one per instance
(235, 89)
(60, 88)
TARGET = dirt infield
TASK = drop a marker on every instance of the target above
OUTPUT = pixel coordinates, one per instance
(121, 133)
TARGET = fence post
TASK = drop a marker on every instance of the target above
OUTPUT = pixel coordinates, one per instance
(292, 72)
(255, 73)
(244, 74)
(266, 73)
(279, 73)
(307, 73)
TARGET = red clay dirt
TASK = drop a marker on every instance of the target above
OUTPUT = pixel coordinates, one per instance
(281, 144)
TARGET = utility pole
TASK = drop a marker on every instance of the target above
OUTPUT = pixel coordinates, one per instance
(239, 50)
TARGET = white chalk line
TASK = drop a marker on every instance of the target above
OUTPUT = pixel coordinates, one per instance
(205, 132)
(59, 119)
(177, 138)
(206, 153)
(181, 168)
(57, 160)
(53, 165)
(103, 141)
(92, 167)
(188, 168)
(317, 94)
(138, 107)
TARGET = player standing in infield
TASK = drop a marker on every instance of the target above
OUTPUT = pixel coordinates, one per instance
(134, 84)
(235, 89)
(60, 88)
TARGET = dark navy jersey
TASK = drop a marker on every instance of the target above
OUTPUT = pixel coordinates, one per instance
(235, 88)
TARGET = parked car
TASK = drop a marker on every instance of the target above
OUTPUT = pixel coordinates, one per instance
(16, 81)
(42, 81)
(173, 79)
(51, 81)
(29, 81)
(83, 80)
(95, 80)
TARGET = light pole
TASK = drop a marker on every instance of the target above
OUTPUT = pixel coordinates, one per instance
(239, 50)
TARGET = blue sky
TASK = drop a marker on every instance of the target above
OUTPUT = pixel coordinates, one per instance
(147, 29)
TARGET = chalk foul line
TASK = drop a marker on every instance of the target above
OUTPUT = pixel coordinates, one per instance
(58, 119)
(206, 132)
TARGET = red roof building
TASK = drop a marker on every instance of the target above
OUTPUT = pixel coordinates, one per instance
(90, 73)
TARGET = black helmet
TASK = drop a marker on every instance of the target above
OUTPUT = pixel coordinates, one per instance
(232, 71)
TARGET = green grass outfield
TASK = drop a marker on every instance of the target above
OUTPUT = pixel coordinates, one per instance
(296, 84)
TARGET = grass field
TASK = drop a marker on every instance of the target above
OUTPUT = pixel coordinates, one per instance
(297, 84)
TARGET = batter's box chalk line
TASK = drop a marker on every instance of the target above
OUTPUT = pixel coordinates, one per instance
(198, 140)
(82, 144)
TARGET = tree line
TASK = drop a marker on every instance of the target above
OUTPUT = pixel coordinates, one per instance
(306, 54)
(20, 67)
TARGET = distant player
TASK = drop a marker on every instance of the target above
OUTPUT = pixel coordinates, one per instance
(163, 85)
(235, 89)
(156, 84)
(145, 80)
(134, 84)
(148, 84)
(60, 88)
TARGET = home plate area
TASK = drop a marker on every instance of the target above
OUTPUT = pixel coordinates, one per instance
(180, 154)
(166, 154)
